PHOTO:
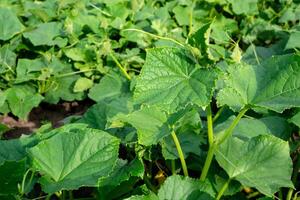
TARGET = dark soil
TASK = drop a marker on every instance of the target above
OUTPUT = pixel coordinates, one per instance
(43, 114)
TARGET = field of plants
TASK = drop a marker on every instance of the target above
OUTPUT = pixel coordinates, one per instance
(177, 99)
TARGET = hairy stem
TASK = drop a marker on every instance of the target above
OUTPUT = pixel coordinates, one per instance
(223, 189)
(120, 66)
(229, 131)
(180, 153)
(210, 132)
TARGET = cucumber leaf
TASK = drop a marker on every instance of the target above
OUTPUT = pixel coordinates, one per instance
(74, 158)
(9, 24)
(178, 188)
(171, 80)
(262, 162)
(273, 85)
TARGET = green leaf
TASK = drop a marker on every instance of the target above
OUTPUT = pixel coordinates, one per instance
(182, 15)
(190, 143)
(9, 24)
(151, 124)
(170, 79)
(15, 149)
(262, 162)
(122, 172)
(150, 196)
(296, 119)
(83, 84)
(22, 99)
(273, 85)
(178, 188)
(62, 88)
(111, 85)
(247, 7)
(7, 59)
(200, 39)
(293, 41)
(272, 125)
(100, 115)
(47, 34)
(75, 158)
(11, 174)
(28, 69)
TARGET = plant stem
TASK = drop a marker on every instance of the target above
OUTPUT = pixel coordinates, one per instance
(208, 160)
(294, 178)
(173, 167)
(229, 131)
(214, 145)
(155, 36)
(210, 131)
(120, 66)
(218, 113)
(223, 189)
(211, 150)
(180, 153)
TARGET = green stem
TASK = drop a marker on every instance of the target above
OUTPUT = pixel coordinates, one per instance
(254, 194)
(180, 153)
(210, 132)
(229, 131)
(173, 167)
(209, 157)
(155, 36)
(218, 113)
(120, 66)
(294, 179)
(223, 189)
(211, 150)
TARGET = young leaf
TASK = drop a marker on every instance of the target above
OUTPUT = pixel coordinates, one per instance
(170, 79)
(262, 162)
(83, 84)
(75, 158)
(273, 85)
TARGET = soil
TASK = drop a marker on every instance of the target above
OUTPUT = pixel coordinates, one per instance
(41, 115)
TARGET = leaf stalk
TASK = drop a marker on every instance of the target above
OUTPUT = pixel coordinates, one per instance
(180, 153)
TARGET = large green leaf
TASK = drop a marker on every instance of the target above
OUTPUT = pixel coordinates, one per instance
(262, 162)
(9, 24)
(78, 157)
(179, 188)
(150, 122)
(11, 174)
(172, 80)
(275, 84)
